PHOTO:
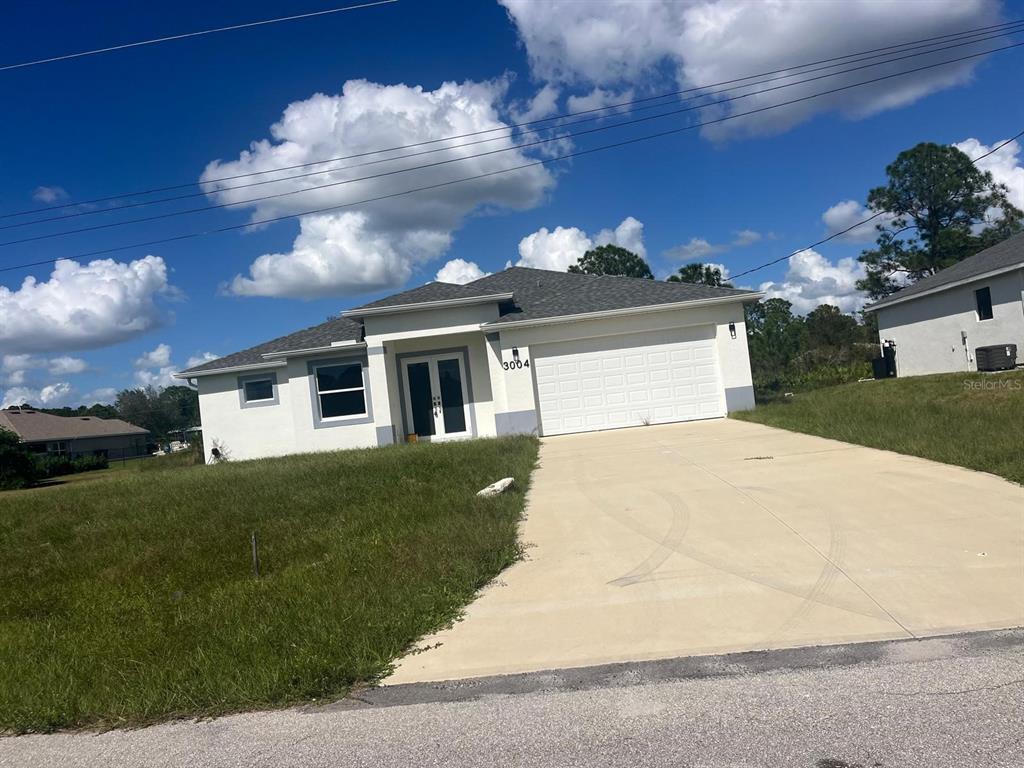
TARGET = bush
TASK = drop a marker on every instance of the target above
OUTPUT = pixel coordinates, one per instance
(56, 466)
(17, 469)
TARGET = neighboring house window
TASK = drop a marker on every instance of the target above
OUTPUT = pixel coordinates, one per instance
(59, 447)
(258, 390)
(983, 299)
(339, 388)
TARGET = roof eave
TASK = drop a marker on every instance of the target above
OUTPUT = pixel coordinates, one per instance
(185, 375)
(426, 305)
(897, 299)
(313, 350)
(743, 298)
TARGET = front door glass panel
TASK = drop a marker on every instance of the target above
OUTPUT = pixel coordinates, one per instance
(420, 398)
(449, 374)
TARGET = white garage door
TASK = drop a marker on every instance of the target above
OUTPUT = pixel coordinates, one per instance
(625, 381)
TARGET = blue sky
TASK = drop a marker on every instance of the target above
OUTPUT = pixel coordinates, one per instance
(158, 115)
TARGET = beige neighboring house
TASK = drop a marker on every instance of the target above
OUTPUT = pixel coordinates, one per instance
(74, 435)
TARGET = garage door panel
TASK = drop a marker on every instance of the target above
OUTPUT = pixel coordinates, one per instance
(627, 380)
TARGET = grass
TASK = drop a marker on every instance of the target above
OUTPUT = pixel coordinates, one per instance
(970, 419)
(132, 599)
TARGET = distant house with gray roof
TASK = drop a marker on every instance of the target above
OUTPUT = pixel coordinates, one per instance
(937, 324)
(72, 436)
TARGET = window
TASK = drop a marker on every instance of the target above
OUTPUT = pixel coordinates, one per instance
(339, 389)
(59, 447)
(983, 300)
(258, 389)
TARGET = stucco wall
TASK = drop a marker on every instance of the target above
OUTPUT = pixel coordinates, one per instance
(927, 330)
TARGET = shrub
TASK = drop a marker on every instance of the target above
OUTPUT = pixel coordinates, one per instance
(56, 466)
(17, 469)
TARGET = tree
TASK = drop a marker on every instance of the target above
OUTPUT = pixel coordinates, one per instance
(774, 336)
(161, 411)
(17, 467)
(700, 274)
(944, 210)
(612, 260)
(828, 327)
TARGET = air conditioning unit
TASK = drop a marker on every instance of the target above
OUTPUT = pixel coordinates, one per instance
(999, 357)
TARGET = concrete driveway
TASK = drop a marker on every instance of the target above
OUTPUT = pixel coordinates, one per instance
(719, 536)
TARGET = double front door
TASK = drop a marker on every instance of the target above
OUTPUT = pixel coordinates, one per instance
(436, 396)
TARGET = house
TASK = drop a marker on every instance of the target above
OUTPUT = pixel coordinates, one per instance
(520, 351)
(73, 436)
(938, 323)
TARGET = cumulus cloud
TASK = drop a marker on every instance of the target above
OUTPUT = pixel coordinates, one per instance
(376, 246)
(83, 306)
(49, 396)
(616, 42)
(65, 365)
(599, 98)
(1004, 165)
(49, 194)
(699, 248)
(846, 214)
(155, 358)
(543, 104)
(460, 271)
(202, 357)
(560, 248)
(811, 280)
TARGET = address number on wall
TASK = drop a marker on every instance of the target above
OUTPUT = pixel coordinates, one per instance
(514, 365)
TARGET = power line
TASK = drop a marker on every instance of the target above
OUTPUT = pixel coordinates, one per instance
(185, 35)
(203, 193)
(852, 227)
(1016, 25)
(218, 206)
(439, 185)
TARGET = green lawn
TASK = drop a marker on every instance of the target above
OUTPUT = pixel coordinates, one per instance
(130, 599)
(971, 419)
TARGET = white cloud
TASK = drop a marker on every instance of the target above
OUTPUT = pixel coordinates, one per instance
(543, 104)
(694, 250)
(155, 358)
(49, 396)
(65, 365)
(83, 306)
(812, 280)
(720, 267)
(598, 98)
(460, 271)
(202, 357)
(1004, 165)
(104, 395)
(846, 214)
(615, 42)
(49, 194)
(159, 378)
(376, 246)
(747, 237)
(560, 248)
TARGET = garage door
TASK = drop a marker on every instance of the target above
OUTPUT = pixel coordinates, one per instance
(628, 380)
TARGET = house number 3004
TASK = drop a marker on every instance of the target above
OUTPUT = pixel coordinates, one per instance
(512, 365)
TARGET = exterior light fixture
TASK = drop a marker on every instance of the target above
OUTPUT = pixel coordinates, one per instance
(515, 353)
(732, 330)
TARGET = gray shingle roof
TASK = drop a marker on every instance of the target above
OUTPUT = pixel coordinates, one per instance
(336, 329)
(32, 426)
(1004, 255)
(430, 292)
(542, 293)
(539, 293)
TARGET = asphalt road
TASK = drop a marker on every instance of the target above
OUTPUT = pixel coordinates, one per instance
(942, 702)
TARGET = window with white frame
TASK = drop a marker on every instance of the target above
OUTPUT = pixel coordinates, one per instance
(340, 390)
(258, 390)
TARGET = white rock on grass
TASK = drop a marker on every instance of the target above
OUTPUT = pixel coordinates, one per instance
(495, 488)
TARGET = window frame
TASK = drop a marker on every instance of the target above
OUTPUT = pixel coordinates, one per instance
(316, 408)
(987, 290)
(270, 376)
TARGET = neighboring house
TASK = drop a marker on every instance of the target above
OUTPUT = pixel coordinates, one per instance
(520, 351)
(937, 323)
(72, 436)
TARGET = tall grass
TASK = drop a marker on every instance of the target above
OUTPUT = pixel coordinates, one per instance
(132, 599)
(971, 419)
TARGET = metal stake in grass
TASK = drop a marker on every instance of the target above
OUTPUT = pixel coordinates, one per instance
(255, 556)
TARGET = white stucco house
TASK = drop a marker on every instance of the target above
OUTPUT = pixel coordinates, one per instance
(939, 322)
(520, 351)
